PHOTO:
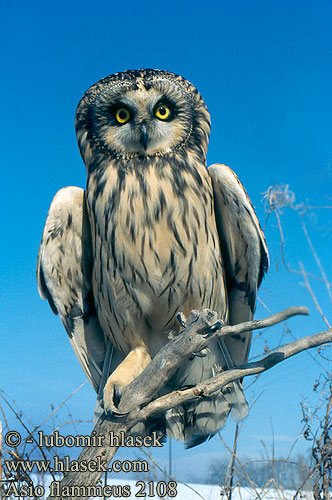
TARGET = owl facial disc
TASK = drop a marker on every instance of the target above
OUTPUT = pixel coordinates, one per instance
(141, 113)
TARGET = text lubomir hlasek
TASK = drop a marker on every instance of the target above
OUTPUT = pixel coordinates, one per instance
(111, 439)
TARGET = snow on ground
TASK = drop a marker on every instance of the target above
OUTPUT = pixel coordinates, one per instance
(131, 489)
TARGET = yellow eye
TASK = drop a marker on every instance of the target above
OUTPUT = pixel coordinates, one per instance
(122, 115)
(162, 112)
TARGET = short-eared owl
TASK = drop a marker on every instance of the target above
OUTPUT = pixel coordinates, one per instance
(154, 233)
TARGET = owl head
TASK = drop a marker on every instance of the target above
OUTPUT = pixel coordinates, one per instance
(140, 114)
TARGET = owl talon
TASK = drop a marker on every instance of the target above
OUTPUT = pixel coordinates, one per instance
(113, 411)
(181, 319)
(213, 328)
(199, 354)
(110, 396)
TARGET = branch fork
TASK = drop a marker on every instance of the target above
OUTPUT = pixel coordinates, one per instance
(196, 332)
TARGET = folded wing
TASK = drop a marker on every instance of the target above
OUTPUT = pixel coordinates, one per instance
(244, 253)
(64, 270)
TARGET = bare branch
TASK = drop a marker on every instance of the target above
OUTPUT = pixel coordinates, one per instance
(214, 384)
(199, 329)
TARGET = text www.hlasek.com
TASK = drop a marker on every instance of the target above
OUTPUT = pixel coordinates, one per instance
(66, 465)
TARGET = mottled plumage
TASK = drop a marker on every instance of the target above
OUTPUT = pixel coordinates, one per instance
(155, 233)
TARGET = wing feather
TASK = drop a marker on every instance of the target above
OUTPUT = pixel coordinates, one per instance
(64, 268)
(244, 253)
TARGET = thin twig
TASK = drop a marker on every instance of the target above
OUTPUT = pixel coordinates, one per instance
(1, 492)
(264, 305)
(263, 323)
(282, 240)
(232, 464)
(242, 466)
(169, 476)
(317, 259)
(58, 407)
(283, 258)
(28, 431)
(313, 296)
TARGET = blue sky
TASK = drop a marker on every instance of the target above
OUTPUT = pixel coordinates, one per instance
(264, 70)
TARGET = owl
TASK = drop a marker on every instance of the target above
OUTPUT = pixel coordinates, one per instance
(154, 233)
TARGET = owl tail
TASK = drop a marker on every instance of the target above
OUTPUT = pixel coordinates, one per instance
(194, 423)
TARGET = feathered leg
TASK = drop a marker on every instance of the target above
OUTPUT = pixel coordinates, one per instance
(128, 370)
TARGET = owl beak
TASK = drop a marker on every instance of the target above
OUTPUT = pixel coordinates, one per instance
(144, 139)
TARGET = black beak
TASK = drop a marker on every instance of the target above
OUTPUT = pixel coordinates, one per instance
(144, 139)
